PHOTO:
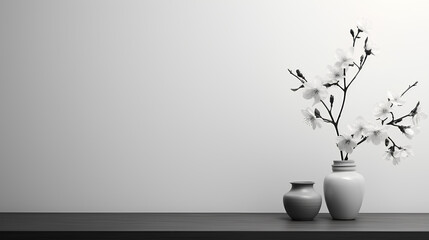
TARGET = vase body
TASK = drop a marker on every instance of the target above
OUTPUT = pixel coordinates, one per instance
(344, 190)
(302, 203)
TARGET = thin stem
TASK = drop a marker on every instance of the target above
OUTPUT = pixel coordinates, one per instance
(394, 121)
(338, 85)
(293, 74)
(394, 144)
(332, 117)
(393, 116)
(357, 73)
(354, 63)
(409, 87)
(346, 86)
(326, 120)
(361, 141)
(356, 37)
(344, 98)
(333, 123)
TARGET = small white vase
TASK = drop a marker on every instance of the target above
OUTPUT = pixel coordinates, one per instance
(344, 189)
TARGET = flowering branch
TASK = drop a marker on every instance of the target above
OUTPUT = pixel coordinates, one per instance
(362, 131)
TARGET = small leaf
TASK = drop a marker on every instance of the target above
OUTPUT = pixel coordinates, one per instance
(361, 60)
(328, 85)
(352, 33)
(386, 142)
(296, 89)
(366, 41)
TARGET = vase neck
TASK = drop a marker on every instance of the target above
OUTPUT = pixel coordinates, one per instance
(344, 166)
(302, 184)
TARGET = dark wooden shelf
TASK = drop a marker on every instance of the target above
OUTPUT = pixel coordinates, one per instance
(208, 226)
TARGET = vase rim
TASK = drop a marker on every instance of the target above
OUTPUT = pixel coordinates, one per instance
(302, 182)
(344, 165)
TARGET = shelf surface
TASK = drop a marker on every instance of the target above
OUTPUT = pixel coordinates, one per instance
(208, 222)
(210, 226)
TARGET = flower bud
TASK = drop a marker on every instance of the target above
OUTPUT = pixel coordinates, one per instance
(368, 51)
(299, 74)
(352, 33)
(403, 129)
(414, 111)
(386, 142)
(317, 113)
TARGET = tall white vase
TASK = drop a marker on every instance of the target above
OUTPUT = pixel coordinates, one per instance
(344, 190)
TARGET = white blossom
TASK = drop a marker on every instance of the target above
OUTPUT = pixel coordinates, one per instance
(382, 111)
(346, 143)
(377, 134)
(395, 99)
(364, 25)
(397, 155)
(404, 152)
(315, 90)
(371, 48)
(335, 74)
(310, 119)
(418, 116)
(359, 127)
(410, 132)
(391, 155)
(345, 58)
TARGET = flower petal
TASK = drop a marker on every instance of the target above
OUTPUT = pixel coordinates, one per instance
(308, 93)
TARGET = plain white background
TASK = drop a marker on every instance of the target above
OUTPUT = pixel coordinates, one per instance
(185, 105)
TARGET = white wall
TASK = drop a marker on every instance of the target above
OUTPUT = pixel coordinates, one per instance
(185, 105)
